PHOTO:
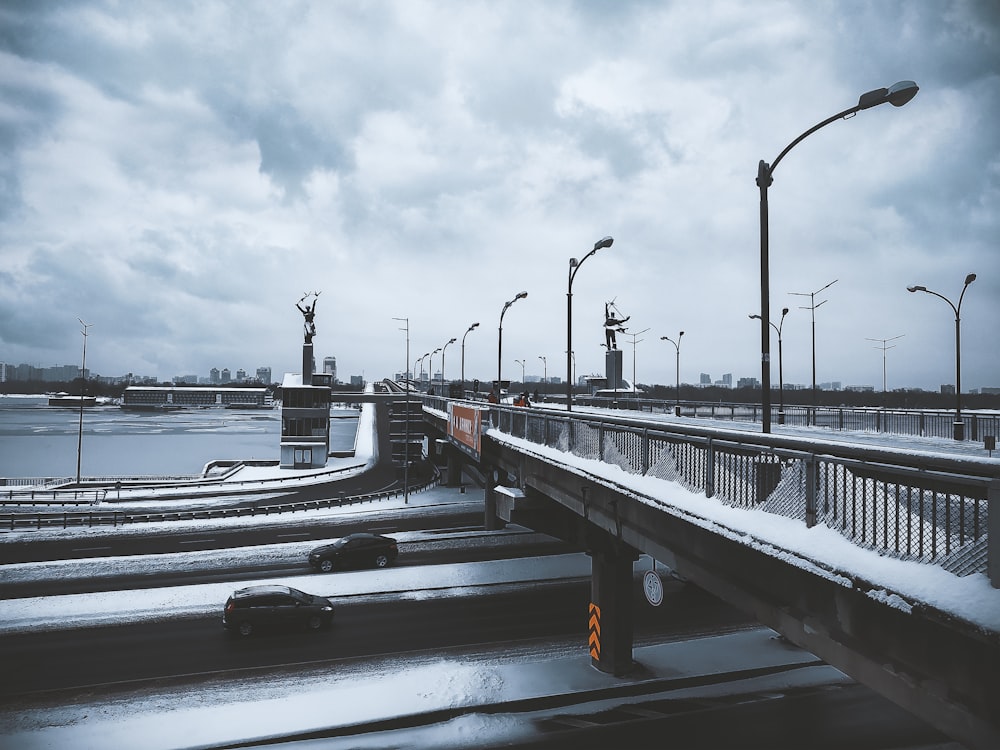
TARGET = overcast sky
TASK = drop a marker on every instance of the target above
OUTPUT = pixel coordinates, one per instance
(179, 174)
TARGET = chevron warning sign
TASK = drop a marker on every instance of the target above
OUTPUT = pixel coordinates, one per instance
(595, 631)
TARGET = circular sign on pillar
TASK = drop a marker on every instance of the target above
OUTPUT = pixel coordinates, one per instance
(652, 586)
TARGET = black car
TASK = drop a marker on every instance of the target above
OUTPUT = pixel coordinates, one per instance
(266, 608)
(362, 550)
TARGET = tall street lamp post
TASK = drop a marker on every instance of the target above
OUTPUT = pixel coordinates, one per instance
(574, 266)
(677, 346)
(635, 340)
(443, 350)
(521, 362)
(884, 349)
(83, 392)
(520, 295)
(959, 425)
(545, 370)
(420, 375)
(406, 443)
(781, 374)
(430, 364)
(897, 95)
(470, 328)
(812, 308)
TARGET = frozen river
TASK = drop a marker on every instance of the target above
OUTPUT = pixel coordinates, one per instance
(37, 440)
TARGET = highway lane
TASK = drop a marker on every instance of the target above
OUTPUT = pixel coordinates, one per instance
(428, 551)
(74, 660)
(64, 667)
(225, 533)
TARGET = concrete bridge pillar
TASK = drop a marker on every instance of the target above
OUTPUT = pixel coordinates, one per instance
(491, 520)
(453, 467)
(610, 612)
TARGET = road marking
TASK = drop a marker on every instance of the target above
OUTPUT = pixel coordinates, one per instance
(301, 533)
(199, 541)
(89, 549)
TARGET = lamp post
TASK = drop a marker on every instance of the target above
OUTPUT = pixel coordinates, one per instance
(574, 266)
(959, 425)
(406, 443)
(443, 350)
(83, 392)
(421, 371)
(521, 362)
(812, 308)
(677, 346)
(781, 375)
(545, 370)
(430, 364)
(897, 95)
(470, 328)
(884, 349)
(634, 342)
(520, 295)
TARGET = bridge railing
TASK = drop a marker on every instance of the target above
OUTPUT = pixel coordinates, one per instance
(911, 505)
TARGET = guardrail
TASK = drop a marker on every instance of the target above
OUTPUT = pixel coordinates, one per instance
(925, 507)
(921, 422)
(38, 521)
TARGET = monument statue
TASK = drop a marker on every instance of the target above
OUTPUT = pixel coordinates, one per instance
(309, 314)
(613, 324)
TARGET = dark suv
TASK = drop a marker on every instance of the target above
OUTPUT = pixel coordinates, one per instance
(260, 608)
(361, 550)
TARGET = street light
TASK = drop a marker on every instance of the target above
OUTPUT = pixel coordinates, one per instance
(83, 392)
(521, 362)
(781, 374)
(812, 307)
(959, 425)
(406, 444)
(574, 266)
(677, 346)
(897, 95)
(430, 364)
(884, 349)
(634, 342)
(470, 328)
(520, 295)
(545, 369)
(420, 374)
(443, 350)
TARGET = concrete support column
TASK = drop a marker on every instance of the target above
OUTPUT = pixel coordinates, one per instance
(453, 472)
(610, 614)
(491, 521)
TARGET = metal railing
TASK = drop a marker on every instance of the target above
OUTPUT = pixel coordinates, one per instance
(925, 507)
(38, 521)
(921, 422)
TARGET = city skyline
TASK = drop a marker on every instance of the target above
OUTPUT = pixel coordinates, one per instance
(57, 373)
(179, 176)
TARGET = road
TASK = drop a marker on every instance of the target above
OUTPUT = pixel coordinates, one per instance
(85, 658)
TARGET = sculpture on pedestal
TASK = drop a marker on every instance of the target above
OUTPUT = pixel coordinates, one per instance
(613, 324)
(309, 314)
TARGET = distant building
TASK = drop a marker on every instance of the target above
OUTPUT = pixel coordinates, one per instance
(214, 376)
(330, 367)
(227, 376)
(241, 375)
(727, 380)
(748, 383)
(264, 375)
(357, 381)
(948, 389)
(705, 379)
